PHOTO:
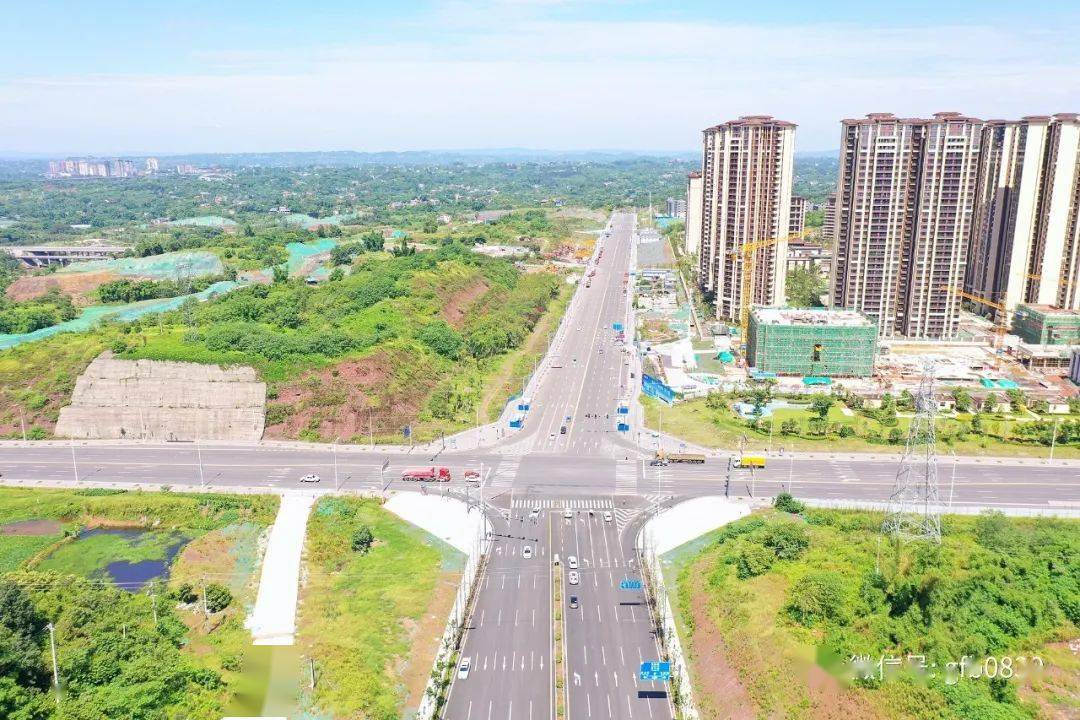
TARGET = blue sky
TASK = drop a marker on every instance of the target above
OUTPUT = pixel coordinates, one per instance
(109, 76)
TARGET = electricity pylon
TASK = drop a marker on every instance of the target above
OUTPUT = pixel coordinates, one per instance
(914, 510)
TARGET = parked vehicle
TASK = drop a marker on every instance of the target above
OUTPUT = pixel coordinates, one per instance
(431, 473)
(472, 476)
(464, 667)
(310, 478)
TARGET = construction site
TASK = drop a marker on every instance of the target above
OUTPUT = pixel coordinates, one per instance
(812, 342)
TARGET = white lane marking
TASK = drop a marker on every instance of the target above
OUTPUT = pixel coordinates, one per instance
(585, 648)
(588, 704)
(622, 657)
(498, 621)
(628, 708)
(603, 655)
(515, 618)
(534, 617)
(510, 711)
(490, 703)
(616, 676)
(481, 623)
(598, 617)
(609, 706)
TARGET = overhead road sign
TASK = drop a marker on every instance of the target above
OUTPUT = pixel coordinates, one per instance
(630, 585)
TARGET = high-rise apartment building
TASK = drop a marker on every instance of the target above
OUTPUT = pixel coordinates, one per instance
(676, 207)
(797, 224)
(1026, 244)
(747, 175)
(905, 206)
(693, 212)
(828, 221)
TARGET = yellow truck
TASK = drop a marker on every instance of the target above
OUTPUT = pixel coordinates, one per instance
(751, 461)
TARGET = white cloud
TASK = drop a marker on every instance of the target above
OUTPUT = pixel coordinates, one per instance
(529, 81)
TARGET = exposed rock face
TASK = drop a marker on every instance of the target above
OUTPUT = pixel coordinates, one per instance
(156, 400)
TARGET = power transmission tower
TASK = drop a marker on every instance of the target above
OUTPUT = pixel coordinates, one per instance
(914, 510)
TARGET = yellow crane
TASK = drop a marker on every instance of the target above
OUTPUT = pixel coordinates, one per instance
(749, 254)
(1000, 328)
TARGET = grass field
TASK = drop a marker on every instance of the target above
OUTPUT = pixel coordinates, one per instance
(36, 380)
(774, 607)
(360, 613)
(89, 556)
(695, 422)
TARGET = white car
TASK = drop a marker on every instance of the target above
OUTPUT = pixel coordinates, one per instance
(310, 477)
(526, 552)
(573, 578)
(567, 513)
(607, 517)
(571, 562)
(464, 667)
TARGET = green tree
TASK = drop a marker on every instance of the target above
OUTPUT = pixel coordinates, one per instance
(789, 427)
(820, 404)
(963, 400)
(805, 288)
(362, 539)
(373, 241)
(218, 597)
(1017, 400)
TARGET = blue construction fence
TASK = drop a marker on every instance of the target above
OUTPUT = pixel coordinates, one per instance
(655, 388)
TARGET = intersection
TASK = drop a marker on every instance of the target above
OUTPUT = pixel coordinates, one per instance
(569, 458)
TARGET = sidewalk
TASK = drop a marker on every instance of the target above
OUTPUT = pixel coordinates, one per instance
(273, 621)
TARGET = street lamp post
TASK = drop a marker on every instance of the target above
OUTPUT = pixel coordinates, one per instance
(55, 668)
(1053, 440)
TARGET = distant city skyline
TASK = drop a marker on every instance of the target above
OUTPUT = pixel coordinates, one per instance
(203, 77)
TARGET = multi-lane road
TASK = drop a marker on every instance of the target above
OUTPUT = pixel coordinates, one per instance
(532, 478)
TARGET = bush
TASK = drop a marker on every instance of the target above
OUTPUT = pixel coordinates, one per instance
(786, 502)
(816, 597)
(847, 431)
(788, 540)
(362, 539)
(218, 597)
(753, 560)
(186, 594)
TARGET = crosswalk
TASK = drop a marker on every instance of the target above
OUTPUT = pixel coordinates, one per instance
(505, 472)
(626, 478)
(564, 504)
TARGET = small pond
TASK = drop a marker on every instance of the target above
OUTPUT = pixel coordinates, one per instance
(128, 558)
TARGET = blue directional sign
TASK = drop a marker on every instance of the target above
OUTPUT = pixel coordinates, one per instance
(655, 671)
(617, 327)
(623, 410)
(630, 585)
(623, 427)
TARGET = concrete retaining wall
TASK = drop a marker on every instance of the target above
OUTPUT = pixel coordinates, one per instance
(156, 400)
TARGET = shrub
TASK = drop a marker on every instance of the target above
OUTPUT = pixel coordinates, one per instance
(816, 597)
(788, 540)
(786, 502)
(218, 597)
(362, 539)
(753, 560)
(186, 594)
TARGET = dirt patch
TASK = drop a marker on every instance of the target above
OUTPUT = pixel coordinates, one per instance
(31, 528)
(719, 692)
(351, 399)
(79, 286)
(456, 306)
(426, 635)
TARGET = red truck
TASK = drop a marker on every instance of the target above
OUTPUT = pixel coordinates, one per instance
(439, 474)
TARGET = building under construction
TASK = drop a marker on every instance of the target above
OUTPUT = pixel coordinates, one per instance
(811, 341)
(1046, 325)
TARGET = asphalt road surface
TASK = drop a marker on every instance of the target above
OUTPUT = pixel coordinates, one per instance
(589, 467)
